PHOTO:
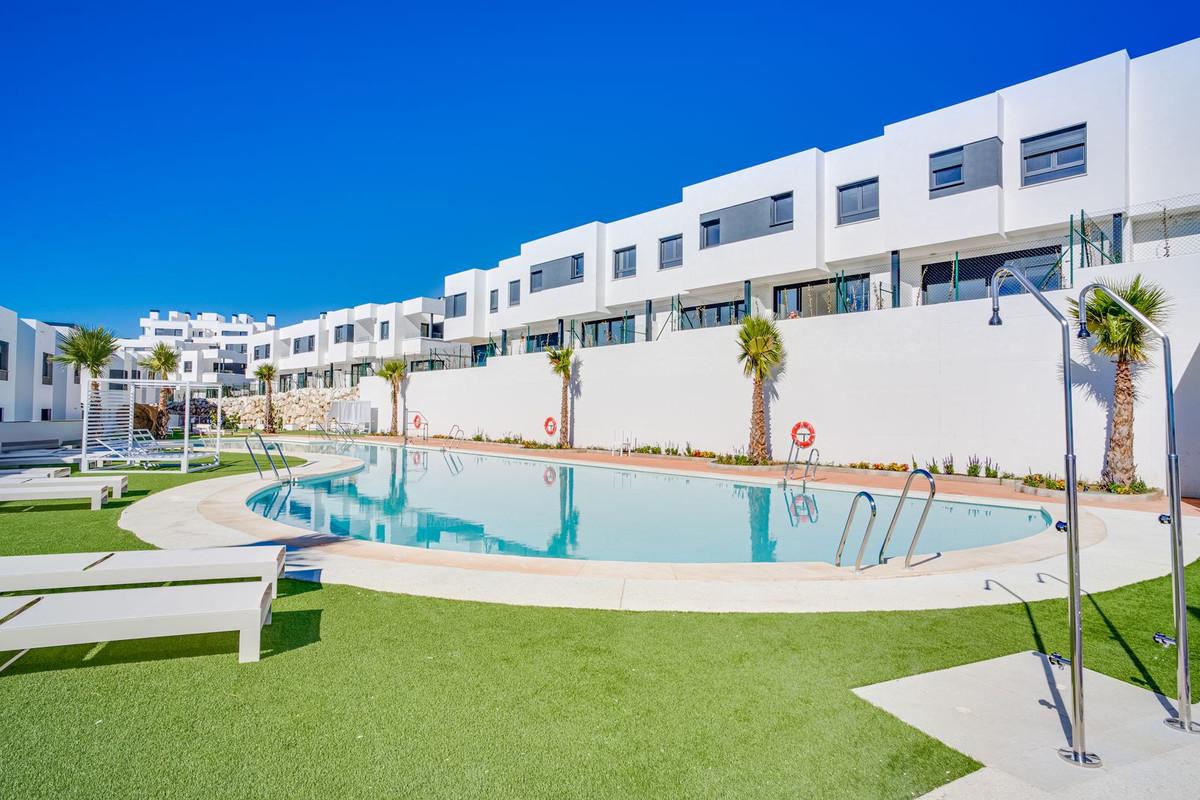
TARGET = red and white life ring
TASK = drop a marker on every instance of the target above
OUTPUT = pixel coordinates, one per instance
(550, 425)
(803, 434)
(549, 476)
(417, 421)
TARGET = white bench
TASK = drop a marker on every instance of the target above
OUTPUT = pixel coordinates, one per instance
(37, 472)
(81, 570)
(55, 620)
(116, 484)
(67, 490)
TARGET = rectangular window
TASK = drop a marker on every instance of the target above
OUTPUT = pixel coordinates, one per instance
(343, 333)
(712, 315)
(77, 370)
(625, 262)
(710, 233)
(3, 361)
(577, 266)
(116, 373)
(168, 331)
(858, 201)
(618, 330)
(187, 366)
(494, 300)
(234, 333)
(1054, 155)
(535, 281)
(303, 344)
(48, 369)
(438, 330)
(262, 351)
(781, 209)
(385, 330)
(946, 168)
(819, 298)
(670, 252)
(45, 415)
(456, 305)
(514, 293)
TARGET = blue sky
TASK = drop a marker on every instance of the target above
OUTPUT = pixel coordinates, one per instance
(295, 157)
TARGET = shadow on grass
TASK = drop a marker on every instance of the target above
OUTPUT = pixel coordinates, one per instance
(289, 630)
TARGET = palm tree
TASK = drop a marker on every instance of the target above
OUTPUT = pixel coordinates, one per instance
(162, 361)
(393, 372)
(1118, 336)
(266, 374)
(561, 359)
(760, 352)
(88, 349)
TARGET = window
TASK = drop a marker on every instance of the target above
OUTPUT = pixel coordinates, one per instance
(116, 373)
(3, 361)
(77, 375)
(514, 293)
(618, 330)
(234, 333)
(456, 305)
(625, 262)
(819, 298)
(168, 331)
(946, 169)
(48, 369)
(262, 351)
(385, 330)
(577, 266)
(45, 415)
(303, 344)
(781, 209)
(712, 315)
(1050, 156)
(494, 300)
(710, 233)
(858, 201)
(343, 333)
(535, 281)
(670, 252)
(540, 342)
(187, 366)
(438, 331)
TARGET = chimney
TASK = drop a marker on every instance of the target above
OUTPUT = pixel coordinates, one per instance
(271, 320)
(154, 313)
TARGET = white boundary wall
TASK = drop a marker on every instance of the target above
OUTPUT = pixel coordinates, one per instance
(878, 386)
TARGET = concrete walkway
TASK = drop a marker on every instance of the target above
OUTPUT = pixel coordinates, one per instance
(1012, 713)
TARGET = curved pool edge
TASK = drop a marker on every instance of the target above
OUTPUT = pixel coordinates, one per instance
(214, 512)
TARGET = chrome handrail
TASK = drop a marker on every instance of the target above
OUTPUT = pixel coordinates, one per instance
(267, 453)
(837, 560)
(912, 547)
(253, 458)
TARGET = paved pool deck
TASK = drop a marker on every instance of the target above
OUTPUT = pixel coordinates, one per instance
(1123, 543)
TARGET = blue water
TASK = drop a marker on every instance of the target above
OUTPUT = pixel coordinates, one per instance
(491, 504)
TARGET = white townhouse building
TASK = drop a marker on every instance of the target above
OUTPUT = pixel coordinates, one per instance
(339, 347)
(33, 387)
(924, 213)
(212, 348)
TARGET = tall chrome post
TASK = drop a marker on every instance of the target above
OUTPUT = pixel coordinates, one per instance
(1077, 753)
(1183, 679)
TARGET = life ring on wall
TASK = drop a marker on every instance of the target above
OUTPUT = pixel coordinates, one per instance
(549, 476)
(417, 421)
(550, 425)
(803, 434)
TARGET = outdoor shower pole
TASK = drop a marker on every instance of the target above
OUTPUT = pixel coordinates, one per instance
(1077, 753)
(1183, 677)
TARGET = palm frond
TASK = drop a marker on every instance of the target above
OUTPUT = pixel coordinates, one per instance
(760, 348)
(162, 361)
(1116, 334)
(393, 372)
(265, 372)
(560, 360)
(87, 348)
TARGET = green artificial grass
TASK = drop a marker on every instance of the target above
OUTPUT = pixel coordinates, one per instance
(375, 695)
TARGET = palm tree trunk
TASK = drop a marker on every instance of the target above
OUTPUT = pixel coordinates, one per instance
(269, 424)
(395, 408)
(564, 438)
(1118, 461)
(758, 424)
(160, 424)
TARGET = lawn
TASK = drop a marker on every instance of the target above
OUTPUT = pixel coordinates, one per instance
(367, 694)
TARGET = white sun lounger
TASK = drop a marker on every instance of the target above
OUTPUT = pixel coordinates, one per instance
(66, 490)
(53, 620)
(37, 472)
(116, 484)
(81, 570)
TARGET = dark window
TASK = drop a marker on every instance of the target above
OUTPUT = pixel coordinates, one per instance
(456, 305)
(187, 366)
(385, 330)
(48, 369)
(234, 333)
(116, 373)
(712, 315)
(437, 331)
(535, 281)
(625, 262)
(946, 168)
(971, 278)
(618, 330)
(494, 300)
(77, 375)
(710, 233)
(168, 331)
(303, 344)
(781, 209)
(45, 415)
(858, 201)
(343, 333)
(3, 361)
(1050, 156)
(577, 266)
(670, 251)
(539, 342)
(818, 298)
(262, 351)
(514, 293)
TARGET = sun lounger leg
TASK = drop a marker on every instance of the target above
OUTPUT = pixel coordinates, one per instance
(248, 644)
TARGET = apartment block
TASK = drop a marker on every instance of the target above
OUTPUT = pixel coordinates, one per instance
(33, 387)
(213, 348)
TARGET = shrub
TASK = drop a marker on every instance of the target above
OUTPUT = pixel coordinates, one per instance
(948, 464)
(974, 466)
(991, 469)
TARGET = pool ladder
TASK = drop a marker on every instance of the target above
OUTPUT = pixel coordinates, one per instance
(266, 448)
(810, 466)
(887, 539)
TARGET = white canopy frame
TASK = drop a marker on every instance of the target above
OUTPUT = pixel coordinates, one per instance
(108, 432)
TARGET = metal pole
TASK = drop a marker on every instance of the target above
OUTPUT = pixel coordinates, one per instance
(956, 275)
(220, 421)
(1077, 753)
(83, 443)
(1183, 679)
(187, 424)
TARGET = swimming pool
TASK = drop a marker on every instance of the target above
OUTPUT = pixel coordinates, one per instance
(516, 506)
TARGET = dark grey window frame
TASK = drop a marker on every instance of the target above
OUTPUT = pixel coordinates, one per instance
(262, 351)
(577, 266)
(385, 330)
(629, 272)
(3, 360)
(535, 285)
(705, 227)
(453, 309)
(48, 369)
(187, 366)
(493, 301)
(309, 343)
(943, 161)
(1043, 144)
(343, 334)
(168, 331)
(670, 263)
(775, 219)
(864, 213)
(514, 293)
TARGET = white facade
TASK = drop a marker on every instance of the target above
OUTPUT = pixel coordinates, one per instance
(33, 387)
(1135, 123)
(212, 348)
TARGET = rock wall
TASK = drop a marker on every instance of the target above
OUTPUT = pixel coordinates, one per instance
(299, 409)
